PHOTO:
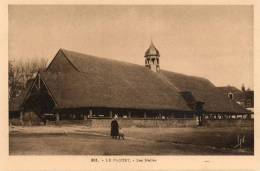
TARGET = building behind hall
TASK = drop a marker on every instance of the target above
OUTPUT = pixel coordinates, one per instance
(244, 97)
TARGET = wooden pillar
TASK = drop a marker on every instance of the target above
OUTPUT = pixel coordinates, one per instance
(90, 113)
(110, 114)
(160, 116)
(21, 117)
(57, 117)
(145, 115)
(129, 114)
(85, 117)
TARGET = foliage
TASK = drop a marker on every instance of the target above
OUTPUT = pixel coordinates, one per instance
(20, 73)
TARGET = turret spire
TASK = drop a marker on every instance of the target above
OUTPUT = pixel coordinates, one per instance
(152, 58)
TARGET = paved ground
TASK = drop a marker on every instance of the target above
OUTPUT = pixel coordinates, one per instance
(81, 140)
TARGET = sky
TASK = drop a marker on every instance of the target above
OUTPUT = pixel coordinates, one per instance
(214, 42)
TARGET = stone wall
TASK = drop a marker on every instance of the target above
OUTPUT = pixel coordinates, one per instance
(145, 123)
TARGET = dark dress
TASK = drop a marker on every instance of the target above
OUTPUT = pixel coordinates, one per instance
(114, 128)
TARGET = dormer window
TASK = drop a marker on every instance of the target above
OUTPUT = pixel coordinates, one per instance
(230, 96)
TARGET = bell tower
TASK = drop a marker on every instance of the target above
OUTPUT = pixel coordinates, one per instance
(152, 58)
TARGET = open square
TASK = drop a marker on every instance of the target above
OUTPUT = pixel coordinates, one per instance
(81, 140)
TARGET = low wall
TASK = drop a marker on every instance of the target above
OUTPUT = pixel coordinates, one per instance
(71, 122)
(145, 123)
(229, 123)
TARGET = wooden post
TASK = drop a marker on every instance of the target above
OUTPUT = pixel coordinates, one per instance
(90, 113)
(160, 116)
(85, 117)
(21, 117)
(57, 117)
(129, 114)
(110, 114)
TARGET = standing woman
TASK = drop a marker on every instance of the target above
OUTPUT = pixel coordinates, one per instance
(114, 128)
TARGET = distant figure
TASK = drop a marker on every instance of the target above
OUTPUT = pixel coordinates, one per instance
(114, 128)
(121, 134)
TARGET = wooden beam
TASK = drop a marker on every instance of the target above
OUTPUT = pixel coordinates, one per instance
(129, 114)
(90, 113)
(57, 117)
(85, 117)
(110, 114)
(21, 117)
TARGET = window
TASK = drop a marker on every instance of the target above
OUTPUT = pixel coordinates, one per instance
(230, 95)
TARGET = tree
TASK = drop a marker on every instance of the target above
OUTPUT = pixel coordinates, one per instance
(20, 72)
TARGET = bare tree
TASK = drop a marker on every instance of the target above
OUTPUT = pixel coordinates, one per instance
(20, 72)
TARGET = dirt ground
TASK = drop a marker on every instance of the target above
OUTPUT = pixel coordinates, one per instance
(81, 140)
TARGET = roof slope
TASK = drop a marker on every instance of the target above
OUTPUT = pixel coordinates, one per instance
(238, 94)
(99, 82)
(245, 98)
(203, 90)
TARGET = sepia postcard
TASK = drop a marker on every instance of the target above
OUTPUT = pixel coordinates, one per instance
(133, 86)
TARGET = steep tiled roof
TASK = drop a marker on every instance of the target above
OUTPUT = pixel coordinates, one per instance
(88, 81)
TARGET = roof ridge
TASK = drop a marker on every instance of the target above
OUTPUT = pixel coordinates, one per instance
(99, 57)
(64, 51)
